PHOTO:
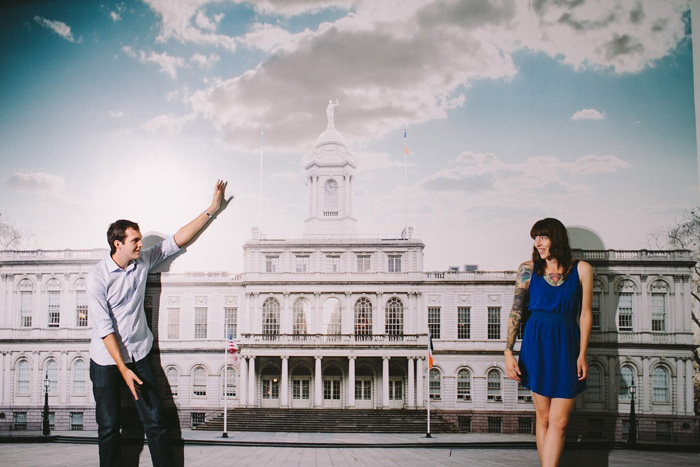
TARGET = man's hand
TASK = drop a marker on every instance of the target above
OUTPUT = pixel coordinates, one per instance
(133, 382)
(512, 366)
(219, 195)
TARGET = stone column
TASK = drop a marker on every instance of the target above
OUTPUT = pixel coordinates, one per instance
(385, 382)
(411, 384)
(243, 383)
(420, 399)
(678, 402)
(318, 385)
(351, 381)
(689, 390)
(251, 382)
(284, 399)
(378, 318)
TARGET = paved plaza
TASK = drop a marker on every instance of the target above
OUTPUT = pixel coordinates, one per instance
(208, 449)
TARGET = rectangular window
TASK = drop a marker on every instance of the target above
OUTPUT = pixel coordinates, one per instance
(395, 390)
(464, 322)
(197, 418)
(596, 428)
(333, 262)
(434, 322)
(494, 424)
(200, 323)
(595, 310)
(464, 422)
(302, 263)
(231, 322)
(331, 389)
(525, 425)
(494, 324)
(76, 421)
(272, 263)
(363, 263)
(524, 394)
(173, 323)
(624, 312)
(81, 309)
(658, 312)
(54, 299)
(395, 263)
(25, 309)
(664, 430)
(52, 420)
(300, 389)
(20, 421)
(363, 390)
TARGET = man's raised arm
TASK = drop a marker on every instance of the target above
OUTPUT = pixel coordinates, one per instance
(186, 233)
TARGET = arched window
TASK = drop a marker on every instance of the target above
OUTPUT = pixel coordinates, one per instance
(330, 190)
(228, 382)
(173, 378)
(659, 384)
(363, 317)
(271, 317)
(79, 378)
(331, 317)
(301, 315)
(434, 385)
(52, 374)
(493, 385)
(23, 377)
(595, 389)
(464, 385)
(199, 384)
(625, 381)
(394, 317)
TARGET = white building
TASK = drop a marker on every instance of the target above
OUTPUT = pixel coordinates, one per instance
(337, 320)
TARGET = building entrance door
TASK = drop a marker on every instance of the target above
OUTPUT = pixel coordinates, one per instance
(363, 392)
(396, 392)
(331, 392)
(301, 390)
(270, 391)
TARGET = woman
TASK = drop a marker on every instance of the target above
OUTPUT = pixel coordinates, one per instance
(556, 290)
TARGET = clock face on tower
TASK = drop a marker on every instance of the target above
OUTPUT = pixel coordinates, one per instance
(331, 187)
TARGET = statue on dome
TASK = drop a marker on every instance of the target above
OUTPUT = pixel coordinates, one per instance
(330, 111)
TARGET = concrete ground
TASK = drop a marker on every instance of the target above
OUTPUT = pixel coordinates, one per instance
(208, 449)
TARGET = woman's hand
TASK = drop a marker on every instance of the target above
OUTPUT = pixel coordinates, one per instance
(581, 368)
(512, 366)
(219, 194)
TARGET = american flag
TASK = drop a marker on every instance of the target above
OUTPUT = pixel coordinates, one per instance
(233, 349)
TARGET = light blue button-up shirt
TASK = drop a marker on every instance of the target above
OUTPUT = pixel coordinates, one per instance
(115, 300)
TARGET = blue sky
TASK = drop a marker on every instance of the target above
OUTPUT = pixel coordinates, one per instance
(577, 110)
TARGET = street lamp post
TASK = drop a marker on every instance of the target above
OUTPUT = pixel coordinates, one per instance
(632, 438)
(46, 428)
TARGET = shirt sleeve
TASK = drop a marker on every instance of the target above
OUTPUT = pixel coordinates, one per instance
(158, 253)
(98, 308)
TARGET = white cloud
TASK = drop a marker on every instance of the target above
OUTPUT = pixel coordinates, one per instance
(58, 27)
(168, 123)
(37, 182)
(115, 16)
(203, 61)
(116, 114)
(270, 38)
(588, 114)
(298, 7)
(168, 64)
(184, 20)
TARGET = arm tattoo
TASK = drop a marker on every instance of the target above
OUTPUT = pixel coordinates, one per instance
(522, 283)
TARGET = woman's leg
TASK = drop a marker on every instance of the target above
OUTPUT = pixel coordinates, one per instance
(559, 413)
(542, 407)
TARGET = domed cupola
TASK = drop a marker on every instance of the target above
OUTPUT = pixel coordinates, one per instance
(330, 176)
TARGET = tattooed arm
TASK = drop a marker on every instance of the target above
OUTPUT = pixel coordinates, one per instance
(522, 284)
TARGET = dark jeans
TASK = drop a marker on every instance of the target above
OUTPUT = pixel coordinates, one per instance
(107, 383)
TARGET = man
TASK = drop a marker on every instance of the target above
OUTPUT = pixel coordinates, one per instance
(121, 339)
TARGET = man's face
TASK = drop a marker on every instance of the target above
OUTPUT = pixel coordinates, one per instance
(131, 247)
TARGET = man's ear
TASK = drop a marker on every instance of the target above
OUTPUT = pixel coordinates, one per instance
(117, 243)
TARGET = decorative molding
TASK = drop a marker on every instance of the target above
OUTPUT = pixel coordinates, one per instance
(494, 298)
(201, 300)
(433, 298)
(173, 300)
(231, 300)
(465, 298)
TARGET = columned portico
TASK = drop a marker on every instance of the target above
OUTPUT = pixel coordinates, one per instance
(351, 382)
(411, 403)
(284, 397)
(251, 381)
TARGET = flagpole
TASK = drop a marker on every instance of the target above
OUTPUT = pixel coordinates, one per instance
(225, 434)
(428, 435)
(405, 179)
(262, 143)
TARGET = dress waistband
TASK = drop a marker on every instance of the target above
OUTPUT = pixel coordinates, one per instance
(552, 317)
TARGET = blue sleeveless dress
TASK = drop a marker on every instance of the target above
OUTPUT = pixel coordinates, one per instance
(551, 340)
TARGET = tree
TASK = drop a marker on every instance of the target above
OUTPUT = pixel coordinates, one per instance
(10, 236)
(685, 234)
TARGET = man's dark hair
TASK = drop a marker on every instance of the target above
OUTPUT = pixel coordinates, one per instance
(117, 231)
(559, 249)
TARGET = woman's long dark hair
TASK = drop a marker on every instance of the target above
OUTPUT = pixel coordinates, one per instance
(559, 249)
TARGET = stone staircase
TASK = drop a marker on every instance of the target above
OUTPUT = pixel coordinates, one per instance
(328, 421)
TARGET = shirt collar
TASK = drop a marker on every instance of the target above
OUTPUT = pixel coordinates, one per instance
(114, 267)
